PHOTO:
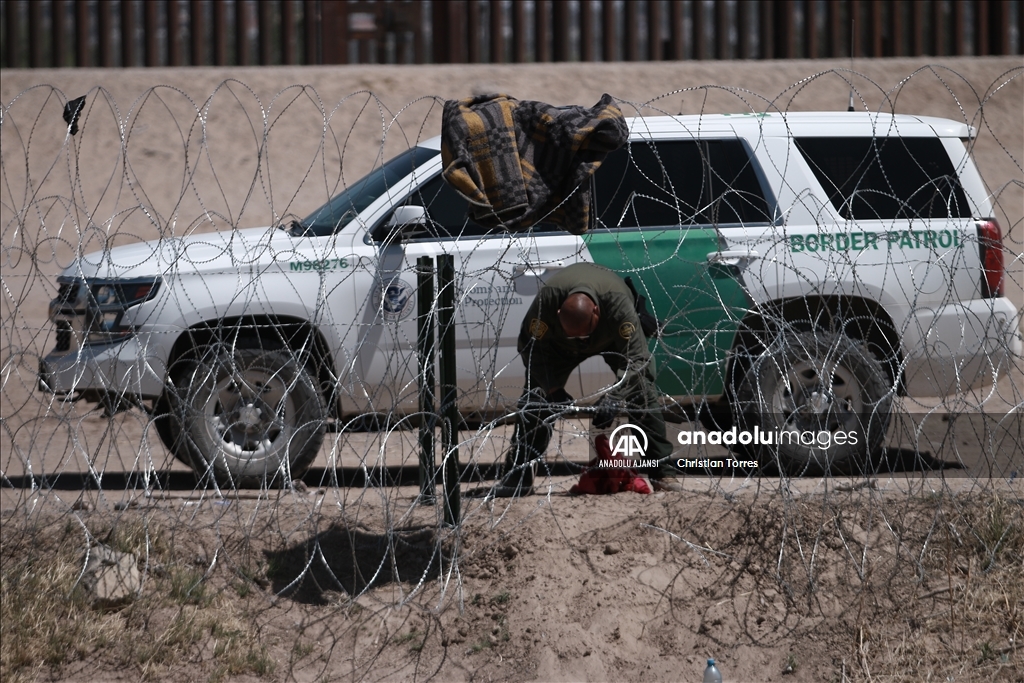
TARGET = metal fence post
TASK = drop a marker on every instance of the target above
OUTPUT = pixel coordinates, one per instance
(449, 406)
(425, 347)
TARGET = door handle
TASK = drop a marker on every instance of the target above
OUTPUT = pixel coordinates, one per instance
(536, 270)
(526, 277)
(739, 257)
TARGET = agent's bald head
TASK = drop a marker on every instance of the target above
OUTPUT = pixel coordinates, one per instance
(578, 315)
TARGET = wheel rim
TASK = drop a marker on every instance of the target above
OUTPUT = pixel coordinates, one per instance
(818, 394)
(248, 415)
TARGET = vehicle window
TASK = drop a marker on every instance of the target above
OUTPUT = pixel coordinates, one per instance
(362, 193)
(886, 178)
(448, 213)
(647, 184)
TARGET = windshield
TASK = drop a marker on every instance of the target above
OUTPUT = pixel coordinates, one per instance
(362, 193)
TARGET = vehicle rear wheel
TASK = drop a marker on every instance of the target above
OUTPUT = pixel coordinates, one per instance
(828, 389)
(250, 418)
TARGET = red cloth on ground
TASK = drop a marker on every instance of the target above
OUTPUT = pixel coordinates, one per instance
(603, 480)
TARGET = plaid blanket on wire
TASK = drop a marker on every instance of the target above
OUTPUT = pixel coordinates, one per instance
(520, 163)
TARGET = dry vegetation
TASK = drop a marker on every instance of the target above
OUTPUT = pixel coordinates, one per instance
(849, 586)
(49, 629)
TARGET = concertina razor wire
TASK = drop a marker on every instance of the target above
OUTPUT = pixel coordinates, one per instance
(265, 436)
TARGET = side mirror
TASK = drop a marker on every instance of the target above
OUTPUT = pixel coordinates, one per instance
(405, 222)
(408, 216)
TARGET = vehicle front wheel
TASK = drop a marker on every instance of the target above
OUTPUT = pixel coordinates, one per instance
(250, 417)
(822, 399)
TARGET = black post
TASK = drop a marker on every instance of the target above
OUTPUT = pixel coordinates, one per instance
(449, 406)
(425, 347)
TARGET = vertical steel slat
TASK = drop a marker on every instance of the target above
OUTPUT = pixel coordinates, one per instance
(655, 21)
(677, 30)
(497, 32)
(518, 31)
(609, 31)
(82, 35)
(631, 32)
(542, 31)
(587, 33)
(959, 14)
(104, 25)
(766, 33)
(242, 56)
(426, 321)
(722, 25)
(916, 28)
(981, 18)
(151, 25)
(11, 39)
(876, 29)
(700, 47)
(288, 32)
(311, 31)
(197, 33)
(473, 52)
(35, 35)
(938, 28)
(127, 33)
(562, 48)
(58, 33)
(811, 29)
(173, 34)
(450, 419)
(743, 46)
(266, 21)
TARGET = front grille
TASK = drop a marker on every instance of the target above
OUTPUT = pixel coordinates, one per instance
(67, 294)
(63, 335)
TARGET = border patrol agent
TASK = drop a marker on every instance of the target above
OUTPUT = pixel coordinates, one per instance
(582, 311)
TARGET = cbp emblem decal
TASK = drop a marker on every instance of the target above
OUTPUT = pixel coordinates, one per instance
(538, 328)
(626, 330)
(394, 300)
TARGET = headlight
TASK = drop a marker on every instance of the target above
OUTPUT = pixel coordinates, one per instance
(107, 303)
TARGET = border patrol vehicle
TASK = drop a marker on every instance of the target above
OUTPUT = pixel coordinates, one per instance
(806, 268)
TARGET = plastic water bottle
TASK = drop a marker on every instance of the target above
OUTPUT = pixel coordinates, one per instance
(712, 674)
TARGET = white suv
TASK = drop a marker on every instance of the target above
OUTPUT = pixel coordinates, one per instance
(806, 268)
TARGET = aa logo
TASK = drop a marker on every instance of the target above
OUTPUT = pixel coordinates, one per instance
(628, 441)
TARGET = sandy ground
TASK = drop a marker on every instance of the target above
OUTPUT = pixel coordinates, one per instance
(612, 588)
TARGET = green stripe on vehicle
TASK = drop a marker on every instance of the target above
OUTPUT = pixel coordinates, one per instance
(699, 305)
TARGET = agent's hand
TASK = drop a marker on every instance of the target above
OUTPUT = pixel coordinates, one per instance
(606, 410)
(560, 395)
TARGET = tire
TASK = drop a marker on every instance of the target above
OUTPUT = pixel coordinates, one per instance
(821, 383)
(252, 418)
(167, 422)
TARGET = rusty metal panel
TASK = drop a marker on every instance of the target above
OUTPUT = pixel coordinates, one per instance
(981, 27)
(677, 30)
(151, 28)
(288, 32)
(333, 34)
(700, 46)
